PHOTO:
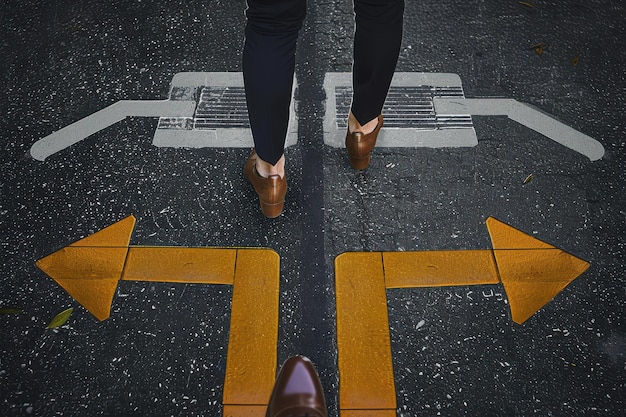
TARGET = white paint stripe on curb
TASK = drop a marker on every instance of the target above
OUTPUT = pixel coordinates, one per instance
(527, 116)
(106, 117)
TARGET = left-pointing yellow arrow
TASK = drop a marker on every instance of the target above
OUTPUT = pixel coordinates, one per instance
(90, 269)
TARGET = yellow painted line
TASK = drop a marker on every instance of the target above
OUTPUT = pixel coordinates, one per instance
(531, 271)
(251, 360)
(439, 268)
(90, 269)
(504, 236)
(115, 235)
(90, 275)
(363, 342)
(528, 291)
(244, 410)
(368, 413)
(174, 264)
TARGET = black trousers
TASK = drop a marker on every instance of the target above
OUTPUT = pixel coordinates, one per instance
(269, 63)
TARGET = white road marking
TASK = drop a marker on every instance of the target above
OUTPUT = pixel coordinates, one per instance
(527, 116)
(183, 100)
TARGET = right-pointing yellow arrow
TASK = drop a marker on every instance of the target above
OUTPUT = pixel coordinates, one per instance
(532, 272)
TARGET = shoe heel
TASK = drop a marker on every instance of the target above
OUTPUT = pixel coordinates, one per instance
(272, 210)
(359, 146)
(360, 162)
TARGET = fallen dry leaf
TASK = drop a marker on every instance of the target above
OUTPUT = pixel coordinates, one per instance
(10, 310)
(60, 319)
(528, 179)
(539, 47)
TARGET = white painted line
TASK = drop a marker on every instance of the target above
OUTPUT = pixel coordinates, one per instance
(182, 103)
(214, 79)
(104, 118)
(527, 116)
(422, 138)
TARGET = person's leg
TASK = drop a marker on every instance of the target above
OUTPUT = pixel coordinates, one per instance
(376, 49)
(268, 68)
(377, 42)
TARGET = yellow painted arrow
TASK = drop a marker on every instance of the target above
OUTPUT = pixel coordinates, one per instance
(531, 271)
(90, 269)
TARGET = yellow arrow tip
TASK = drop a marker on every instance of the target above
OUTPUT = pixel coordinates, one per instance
(116, 235)
(90, 268)
(532, 272)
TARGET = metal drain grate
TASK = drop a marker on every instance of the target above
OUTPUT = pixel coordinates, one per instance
(218, 108)
(220, 117)
(411, 118)
(408, 107)
(222, 107)
(220, 114)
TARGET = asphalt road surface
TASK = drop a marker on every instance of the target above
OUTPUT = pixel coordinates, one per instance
(455, 349)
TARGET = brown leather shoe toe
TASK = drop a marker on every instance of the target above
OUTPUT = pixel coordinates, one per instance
(360, 145)
(297, 391)
(271, 190)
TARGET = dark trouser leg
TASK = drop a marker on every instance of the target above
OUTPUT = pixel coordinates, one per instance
(376, 48)
(268, 69)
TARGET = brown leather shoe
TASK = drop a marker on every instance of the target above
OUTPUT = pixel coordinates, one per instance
(297, 391)
(271, 190)
(360, 145)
